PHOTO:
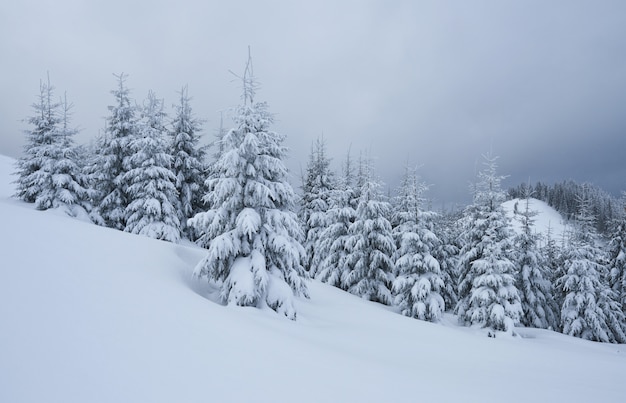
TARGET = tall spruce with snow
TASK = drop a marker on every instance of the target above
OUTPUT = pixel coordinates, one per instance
(33, 167)
(488, 296)
(533, 276)
(69, 189)
(617, 256)
(187, 161)
(368, 265)
(49, 173)
(317, 191)
(590, 309)
(151, 187)
(419, 284)
(250, 229)
(446, 253)
(111, 160)
(333, 240)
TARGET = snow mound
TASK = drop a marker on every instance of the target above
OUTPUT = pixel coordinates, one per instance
(547, 218)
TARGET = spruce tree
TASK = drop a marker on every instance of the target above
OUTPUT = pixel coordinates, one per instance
(419, 284)
(317, 190)
(617, 256)
(34, 166)
(151, 191)
(50, 175)
(368, 263)
(446, 253)
(188, 161)
(590, 309)
(111, 160)
(533, 276)
(250, 229)
(488, 296)
(333, 240)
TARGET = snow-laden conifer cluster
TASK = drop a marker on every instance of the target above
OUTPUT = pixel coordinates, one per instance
(150, 175)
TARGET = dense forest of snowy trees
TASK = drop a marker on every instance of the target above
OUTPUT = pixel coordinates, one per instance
(148, 174)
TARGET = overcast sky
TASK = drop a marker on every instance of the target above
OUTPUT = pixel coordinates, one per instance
(434, 83)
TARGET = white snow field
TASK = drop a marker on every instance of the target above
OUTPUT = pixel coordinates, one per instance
(547, 218)
(89, 314)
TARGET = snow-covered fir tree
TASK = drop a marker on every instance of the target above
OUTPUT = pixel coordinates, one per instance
(368, 264)
(50, 175)
(251, 231)
(446, 253)
(617, 256)
(533, 274)
(488, 296)
(33, 167)
(419, 286)
(111, 159)
(188, 163)
(333, 240)
(151, 187)
(317, 191)
(590, 309)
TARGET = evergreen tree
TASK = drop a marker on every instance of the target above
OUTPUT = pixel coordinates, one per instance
(368, 264)
(49, 172)
(33, 168)
(188, 161)
(533, 281)
(251, 230)
(617, 256)
(590, 309)
(151, 190)
(446, 253)
(316, 201)
(333, 240)
(419, 285)
(111, 160)
(488, 296)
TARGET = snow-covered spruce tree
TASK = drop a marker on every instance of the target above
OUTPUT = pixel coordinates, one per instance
(316, 201)
(617, 256)
(488, 296)
(111, 159)
(58, 182)
(250, 229)
(188, 161)
(69, 184)
(333, 240)
(151, 191)
(533, 276)
(447, 230)
(590, 309)
(419, 285)
(33, 167)
(368, 264)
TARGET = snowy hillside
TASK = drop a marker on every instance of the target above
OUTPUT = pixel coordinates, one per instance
(547, 218)
(90, 314)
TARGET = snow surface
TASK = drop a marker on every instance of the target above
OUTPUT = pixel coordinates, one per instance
(547, 217)
(90, 314)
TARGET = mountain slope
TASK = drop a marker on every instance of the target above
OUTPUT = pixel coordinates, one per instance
(547, 217)
(89, 314)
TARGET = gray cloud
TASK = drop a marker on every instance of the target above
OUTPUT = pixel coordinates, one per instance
(432, 83)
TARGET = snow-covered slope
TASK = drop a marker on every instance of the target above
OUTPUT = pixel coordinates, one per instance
(547, 218)
(89, 314)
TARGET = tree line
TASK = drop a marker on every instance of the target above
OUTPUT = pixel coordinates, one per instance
(149, 175)
(563, 197)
